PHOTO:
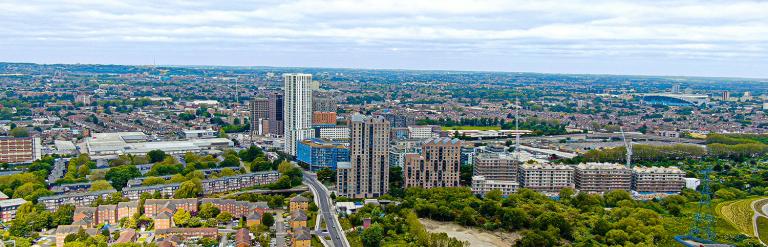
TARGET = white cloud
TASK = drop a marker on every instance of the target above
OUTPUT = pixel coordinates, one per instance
(591, 29)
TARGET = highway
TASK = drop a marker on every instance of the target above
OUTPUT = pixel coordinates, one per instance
(322, 197)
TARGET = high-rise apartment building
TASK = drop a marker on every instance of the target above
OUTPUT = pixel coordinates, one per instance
(438, 165)
(297, 109)
(602, 177)
(726, 96)
(324, 104)
(276, 114)
(259, 116)
(367, 174)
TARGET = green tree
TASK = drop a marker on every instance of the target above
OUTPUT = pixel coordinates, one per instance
(329, 176)
(120, 175)
(224, 217)
(267, 219)
(230, 161)
(514, 218)
(100, 185)
(260, 164)
(208, 210)
(467, 217)
(612, 198)
(83, 171)
(156, 156)
(19, 132)
(373, 235)
(284, 166)
(63, 215)
(227, 172)
(616, 237)
(181, 217)
(154, 181)
(189, 189)
(248, 155)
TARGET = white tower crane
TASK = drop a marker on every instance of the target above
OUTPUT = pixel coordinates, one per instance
(628, 147)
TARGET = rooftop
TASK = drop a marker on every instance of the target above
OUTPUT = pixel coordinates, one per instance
(657, 169)
(12, 202)
(601, 166)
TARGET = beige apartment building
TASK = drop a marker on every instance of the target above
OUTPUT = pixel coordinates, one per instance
(546, 177)
(496, 166)
(438, 165)
(481, 186)
(657, 179)
(602, 177)
(367, 174)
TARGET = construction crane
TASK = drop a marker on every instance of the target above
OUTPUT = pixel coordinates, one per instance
(628, 147)
(517, 129)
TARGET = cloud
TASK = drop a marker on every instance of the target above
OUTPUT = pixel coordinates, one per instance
(590, 30)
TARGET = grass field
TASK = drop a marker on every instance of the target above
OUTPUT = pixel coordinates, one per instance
(762, 228)
(759, 206)
(739, 214)
(471, 128)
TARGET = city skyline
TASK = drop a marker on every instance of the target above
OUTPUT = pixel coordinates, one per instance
(687, 38)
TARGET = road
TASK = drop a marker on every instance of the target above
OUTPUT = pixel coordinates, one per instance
(323, 200)
(280, 231)
(757, 213)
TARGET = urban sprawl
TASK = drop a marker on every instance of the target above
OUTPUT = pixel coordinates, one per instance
(109, 155)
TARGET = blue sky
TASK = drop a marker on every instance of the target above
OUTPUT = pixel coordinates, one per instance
(702, 38)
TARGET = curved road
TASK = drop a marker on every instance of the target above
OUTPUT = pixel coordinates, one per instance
(323, 200)
(757, 214)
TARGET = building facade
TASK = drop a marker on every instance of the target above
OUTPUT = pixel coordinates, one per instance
(320, 117)
(368, 172)
(8, 208)
(77, 199)
(438, 165)
(658, 179)
(319, 153)
(602, 177)
(259, 116)
(546, 177)
(496, 166)
(421, 132)
(332, 132)
(297, 110)
(19, 150)
(276, 113)
(324, 104)
(481, 186)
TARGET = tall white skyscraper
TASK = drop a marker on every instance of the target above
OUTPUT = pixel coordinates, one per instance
(297, 110)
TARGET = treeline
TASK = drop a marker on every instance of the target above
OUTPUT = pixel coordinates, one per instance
(576, 219)
(537, 125)
(737, 147)
(642, 152)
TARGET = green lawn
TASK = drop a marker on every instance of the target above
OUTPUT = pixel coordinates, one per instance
(471, 128)
(762, 228)
(739, 214)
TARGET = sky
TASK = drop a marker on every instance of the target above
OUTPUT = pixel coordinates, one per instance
(693, 37)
